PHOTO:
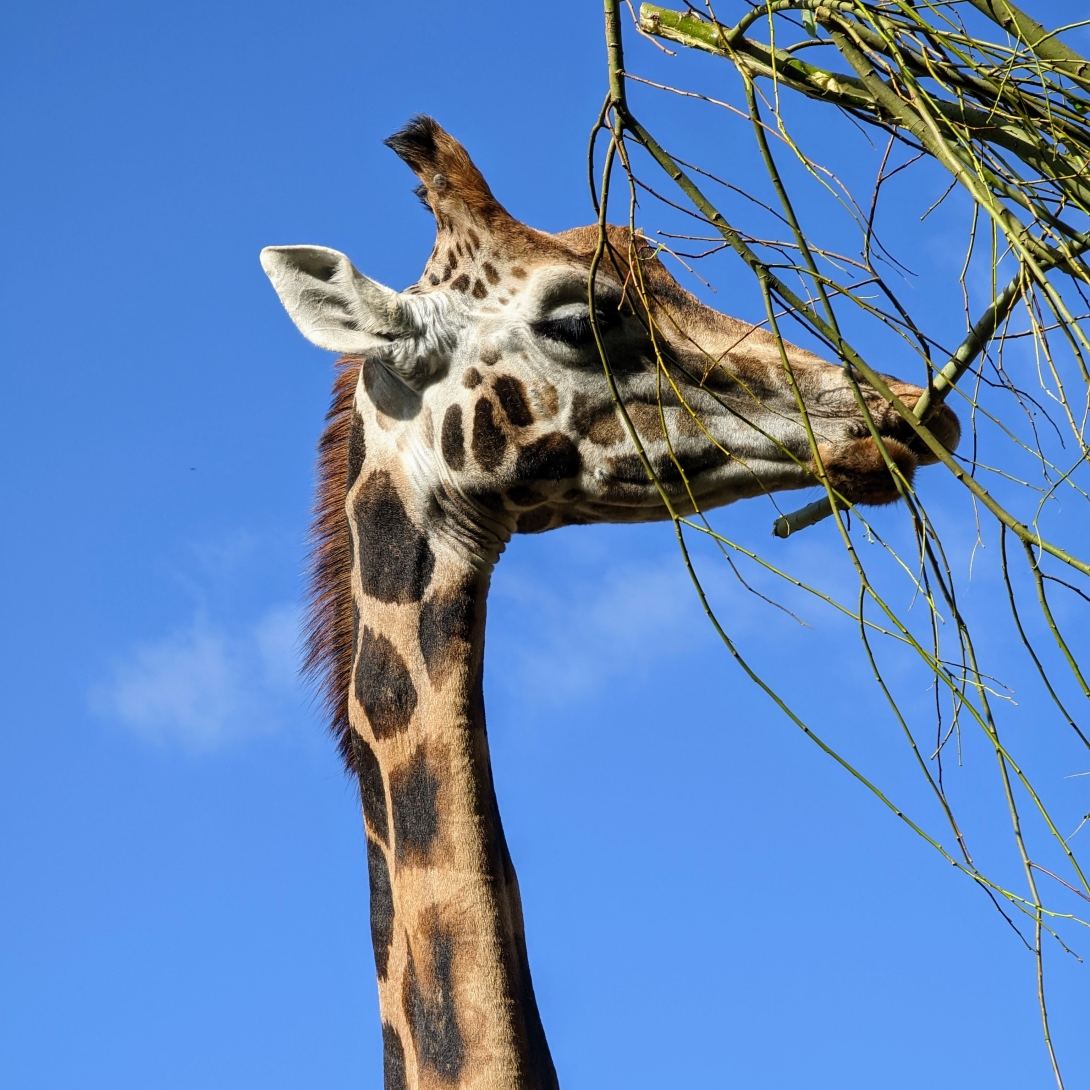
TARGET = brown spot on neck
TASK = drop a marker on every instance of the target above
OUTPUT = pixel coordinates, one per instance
(533, 522)
(384, 686)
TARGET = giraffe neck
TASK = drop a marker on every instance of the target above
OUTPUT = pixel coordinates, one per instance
(455, 995)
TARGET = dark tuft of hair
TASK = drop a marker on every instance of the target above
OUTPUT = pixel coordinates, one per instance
(328, 630)
(415, 143)
(455, 189)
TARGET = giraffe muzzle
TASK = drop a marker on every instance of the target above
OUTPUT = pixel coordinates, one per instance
(859, 470)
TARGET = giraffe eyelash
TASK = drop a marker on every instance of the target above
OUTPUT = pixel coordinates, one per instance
(574, 330)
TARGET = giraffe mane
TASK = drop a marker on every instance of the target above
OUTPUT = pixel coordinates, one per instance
(328, 629)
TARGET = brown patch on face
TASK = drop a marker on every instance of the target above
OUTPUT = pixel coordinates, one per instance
(490, 273)
(709, 457)
(433, 279)
(452, 439)
(474, 237)
(491, 501)
(628, 469)
(461, 284)
(452, 259)
(606, 430)
(524, 496)
(489, 441)
(446, 273)
(490, 356)
(472, 378)
(479, 290)
(503, 300)
(597, 420)
(518, 272)
(544, 397)
(858, 471)
(511, 395)
(647, 420)
(533, 522)
(667, 471)
(688, 426)
(722, 378)
(553, 457)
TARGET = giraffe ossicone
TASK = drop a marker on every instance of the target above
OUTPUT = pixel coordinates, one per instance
(469, 407)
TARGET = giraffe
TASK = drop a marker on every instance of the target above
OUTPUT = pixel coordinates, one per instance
(470, 407)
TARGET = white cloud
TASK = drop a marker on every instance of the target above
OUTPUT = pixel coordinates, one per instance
(572, 622)
(205, 686)
(572, 644)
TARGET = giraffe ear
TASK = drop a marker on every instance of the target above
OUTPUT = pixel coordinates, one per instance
(333, 305)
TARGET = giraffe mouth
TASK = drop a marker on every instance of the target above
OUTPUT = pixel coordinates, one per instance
(859, 471)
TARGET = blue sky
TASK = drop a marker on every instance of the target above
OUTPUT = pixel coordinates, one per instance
(709, 900)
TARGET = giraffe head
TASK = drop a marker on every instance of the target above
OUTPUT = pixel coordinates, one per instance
(483, 381)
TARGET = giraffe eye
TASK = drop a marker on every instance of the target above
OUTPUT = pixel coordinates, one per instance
(575, 330)
(571, 329)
